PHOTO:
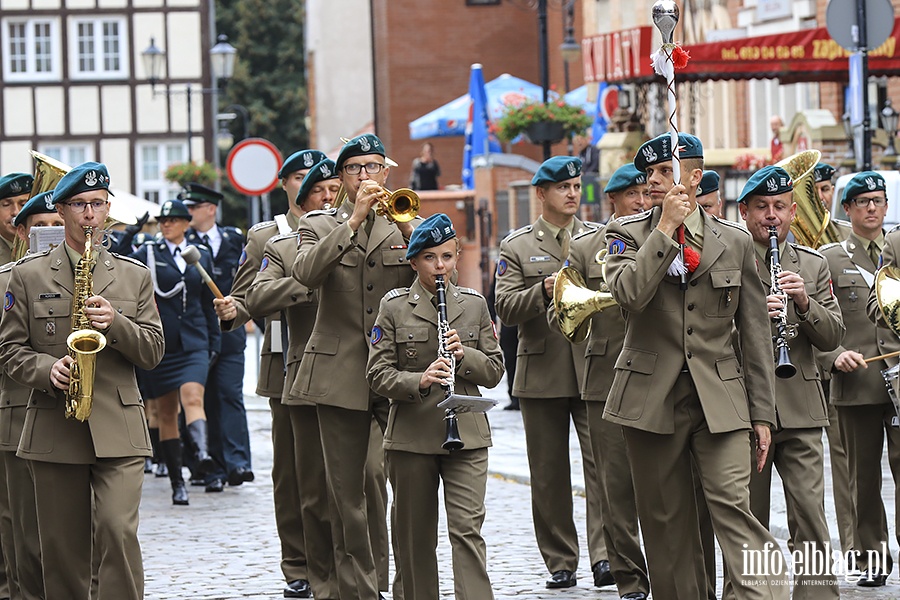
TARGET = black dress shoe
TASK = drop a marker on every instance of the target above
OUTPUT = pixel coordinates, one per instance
(602, 576)
(239, 476)
(875, 578)
(635, 596)
(215, 485)
(161, 469)
(179, 494)
(299, 588)
(561, 579)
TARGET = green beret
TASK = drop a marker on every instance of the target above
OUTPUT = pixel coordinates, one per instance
(866, 181)
(768, 181)
(433, 231)
(708, 184)
(659, 149)
(556, 169)
(823, 172)
(174, 209)
(367, 143)
(38, 205)
(625, 177)
(15, 184)
(298, 161)
(195, 193)
(320, 172)
(86, 176)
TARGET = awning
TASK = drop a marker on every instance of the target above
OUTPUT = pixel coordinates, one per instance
(800, 56)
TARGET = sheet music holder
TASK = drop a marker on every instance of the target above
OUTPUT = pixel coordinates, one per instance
(462, 404)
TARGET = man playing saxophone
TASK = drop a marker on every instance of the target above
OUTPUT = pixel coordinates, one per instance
(87, 475)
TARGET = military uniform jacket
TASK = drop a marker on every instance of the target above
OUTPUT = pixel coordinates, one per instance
(404, 342)
(225, 265)
(607, 327)
(33, 334)
(189, 323)
(351, 274)
(799, 400)
(274, 290)
(667, 328)
(13, 396)
(890, 256)
(544, 362)
(848, 260)
(5, 252)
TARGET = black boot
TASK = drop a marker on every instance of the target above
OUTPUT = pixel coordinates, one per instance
(197, 431)
(171, 451)
(154, 444)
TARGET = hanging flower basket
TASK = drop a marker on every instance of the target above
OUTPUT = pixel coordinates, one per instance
(543, 132)
(541, 122)
(181, 173)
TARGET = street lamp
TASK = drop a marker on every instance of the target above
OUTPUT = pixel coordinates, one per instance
(889, 118)
(225, 138)
(221, 58)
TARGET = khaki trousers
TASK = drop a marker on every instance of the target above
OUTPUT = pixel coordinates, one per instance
(286, 494)
(25, 542)
(416, 479)
(661, 466)
(547, 422)
(843, 489)
(65, 516)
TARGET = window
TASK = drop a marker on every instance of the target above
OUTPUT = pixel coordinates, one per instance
(98, 48)
(152, 161)
(69, 154)
(31, 50)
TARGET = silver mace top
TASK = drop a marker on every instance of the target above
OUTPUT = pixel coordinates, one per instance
(665, 17)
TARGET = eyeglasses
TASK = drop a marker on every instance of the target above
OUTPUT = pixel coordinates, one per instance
(371, 168)
(864, 202)
(78, 206)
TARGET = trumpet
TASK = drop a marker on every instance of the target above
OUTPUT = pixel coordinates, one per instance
(399, 206)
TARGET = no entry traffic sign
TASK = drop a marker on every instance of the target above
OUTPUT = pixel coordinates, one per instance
(253, 166)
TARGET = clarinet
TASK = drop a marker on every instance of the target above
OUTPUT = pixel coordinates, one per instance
(453, 441)
(783, 367)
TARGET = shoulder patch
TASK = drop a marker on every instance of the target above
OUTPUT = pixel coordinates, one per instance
(518, 232)
(129, 259)
(470, 291)
(807, 249)
(396, 293)
(634, 218)
(318, 213)
(262, 224)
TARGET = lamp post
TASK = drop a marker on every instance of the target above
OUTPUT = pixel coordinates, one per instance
(848, 131)
(889, 118)
(544, 68)
(221, 58)
(569, 49)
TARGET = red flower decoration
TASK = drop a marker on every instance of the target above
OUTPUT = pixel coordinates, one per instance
(691, 259)
(680, 57)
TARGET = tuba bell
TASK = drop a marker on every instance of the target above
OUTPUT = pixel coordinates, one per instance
(47, 173)
(812, 225)
(575, 304)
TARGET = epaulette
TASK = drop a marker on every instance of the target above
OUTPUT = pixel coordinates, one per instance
(806, 249)
(284, 236)
(129, 259)
(29, 257)
(731, 224)
(587, 233)
(7, 267)
(262, 224)
(324, 211)
(232, 229)
(895, 228)
(842, 224)
(518, 232)
(827, 246)
(396, 292)
(592, 224)
(634, 218)
(470, 291)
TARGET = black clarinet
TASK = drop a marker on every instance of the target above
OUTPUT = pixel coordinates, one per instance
(783, 367)
(453, 441)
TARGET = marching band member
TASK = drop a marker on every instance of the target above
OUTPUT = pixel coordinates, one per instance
(15, 188)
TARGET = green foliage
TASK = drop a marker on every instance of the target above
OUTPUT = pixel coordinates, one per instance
(516, 119)
(182, 173)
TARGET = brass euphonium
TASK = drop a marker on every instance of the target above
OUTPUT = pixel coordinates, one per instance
(812, 226)
(575, 304)
(84, 342)
(887, 294)
(47, 173)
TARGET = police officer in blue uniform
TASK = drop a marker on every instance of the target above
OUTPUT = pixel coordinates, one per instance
(229, 438)
(192, 337)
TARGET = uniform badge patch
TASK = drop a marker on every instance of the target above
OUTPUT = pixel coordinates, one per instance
(243, 258)
(616, 247)
(411, 353)
(264, 264)
(377, 335)
(501, 266)
(9, 301)
(51, 327)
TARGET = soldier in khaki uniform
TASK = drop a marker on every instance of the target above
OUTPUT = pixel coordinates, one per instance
(801, 407)
(19, 532)
(87, 475)
(708, 196)
(679, 389)
(233, 313)
(15, 189)
(274, 291)
(404, 366)
(352, 257)
(626, 192)
(546, 382)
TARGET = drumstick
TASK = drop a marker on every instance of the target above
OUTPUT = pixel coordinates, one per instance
(191, 256)
(883, 356)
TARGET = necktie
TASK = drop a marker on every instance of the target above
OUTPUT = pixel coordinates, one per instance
(563, 238)
(370, 221)
(874, 254)
(205, 239)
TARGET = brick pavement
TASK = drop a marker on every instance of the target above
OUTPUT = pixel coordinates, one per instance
(224, 546)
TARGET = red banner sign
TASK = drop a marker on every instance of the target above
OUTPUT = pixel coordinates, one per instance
(618, 56)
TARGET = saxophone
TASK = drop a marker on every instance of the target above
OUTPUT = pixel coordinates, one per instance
(84, 342)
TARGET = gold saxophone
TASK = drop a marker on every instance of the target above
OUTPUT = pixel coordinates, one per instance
(84, 342)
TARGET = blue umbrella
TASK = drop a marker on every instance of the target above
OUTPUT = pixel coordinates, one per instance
(478, 139)
(450, 119)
